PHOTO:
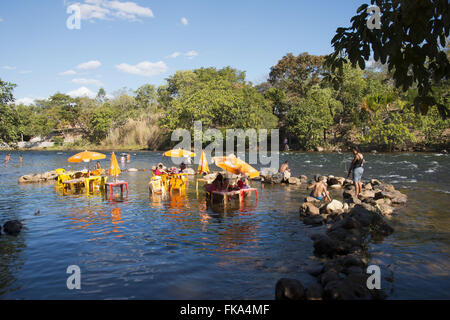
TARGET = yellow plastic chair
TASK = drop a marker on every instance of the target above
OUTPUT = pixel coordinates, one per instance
(177, 182)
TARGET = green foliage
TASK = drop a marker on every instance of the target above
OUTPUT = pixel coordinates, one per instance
(8, 124)
(410, 41)
(309, 116)
(391, 131)
(100, 123)
(218, 98)
(296, 74)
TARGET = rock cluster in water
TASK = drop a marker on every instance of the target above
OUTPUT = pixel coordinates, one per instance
(351, 224)
(38, 177)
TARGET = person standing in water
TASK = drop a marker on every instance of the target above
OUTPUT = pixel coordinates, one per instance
(20, 159)
(128, 157)
(7, 158)
(358, 170)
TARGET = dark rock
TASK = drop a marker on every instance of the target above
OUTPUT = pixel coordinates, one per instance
(314, 270)
(289, 289)
(353, 269)
(313, 220)
(12, 227)
(362, 215)
(352, 287)
(328, 276)
(314, 291)
(333, 180)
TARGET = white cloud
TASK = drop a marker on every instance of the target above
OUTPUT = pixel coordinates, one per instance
(90, 65)
(129, 10)
(26, 101)
(91, 12)
(184, 21)
(82, 92)
(191, 54)
(67, 73)
(174, 55)
(144, 68)
(94, 82)
(106, 10)
(1, 19)
(9, 68)
(25, 71)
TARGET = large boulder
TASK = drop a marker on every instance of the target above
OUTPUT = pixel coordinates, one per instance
(366, 194)
(335, 206)
(12, 227)
(385, 209)
(289, 289)
(272, 179)
(308, 208)
(294, 180)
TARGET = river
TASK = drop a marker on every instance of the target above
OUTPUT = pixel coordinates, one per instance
(181, 248)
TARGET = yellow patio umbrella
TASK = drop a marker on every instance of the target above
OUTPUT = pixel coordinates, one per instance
(86, 156)
(203, 165)
(179, 153)
(114, 169)
(235, 166)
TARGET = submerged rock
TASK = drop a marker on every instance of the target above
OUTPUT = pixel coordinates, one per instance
(38, 177)
(12, 227)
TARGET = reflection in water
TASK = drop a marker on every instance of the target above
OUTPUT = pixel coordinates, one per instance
(97, 220)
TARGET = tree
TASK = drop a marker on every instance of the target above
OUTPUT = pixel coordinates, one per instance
(296, 74)
(8, 115)
(101, 94)
(219, 98)
(100, 123)
(411, 41)
(6, 92)
(309, 116)
(146, 96)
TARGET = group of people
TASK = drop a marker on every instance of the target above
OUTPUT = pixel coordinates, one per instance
(319, 187)
(225, 184)
(160, 169)
(8, 158)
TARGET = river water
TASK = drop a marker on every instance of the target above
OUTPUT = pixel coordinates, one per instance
(181, 248)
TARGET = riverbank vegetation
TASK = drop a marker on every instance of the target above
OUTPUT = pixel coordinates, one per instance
(312, 106)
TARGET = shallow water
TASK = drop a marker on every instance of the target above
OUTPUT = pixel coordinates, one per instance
(181, 248)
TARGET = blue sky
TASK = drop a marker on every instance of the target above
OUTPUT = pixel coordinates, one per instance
(127, 43)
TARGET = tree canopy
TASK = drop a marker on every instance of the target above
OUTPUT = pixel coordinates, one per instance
(411, 42)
